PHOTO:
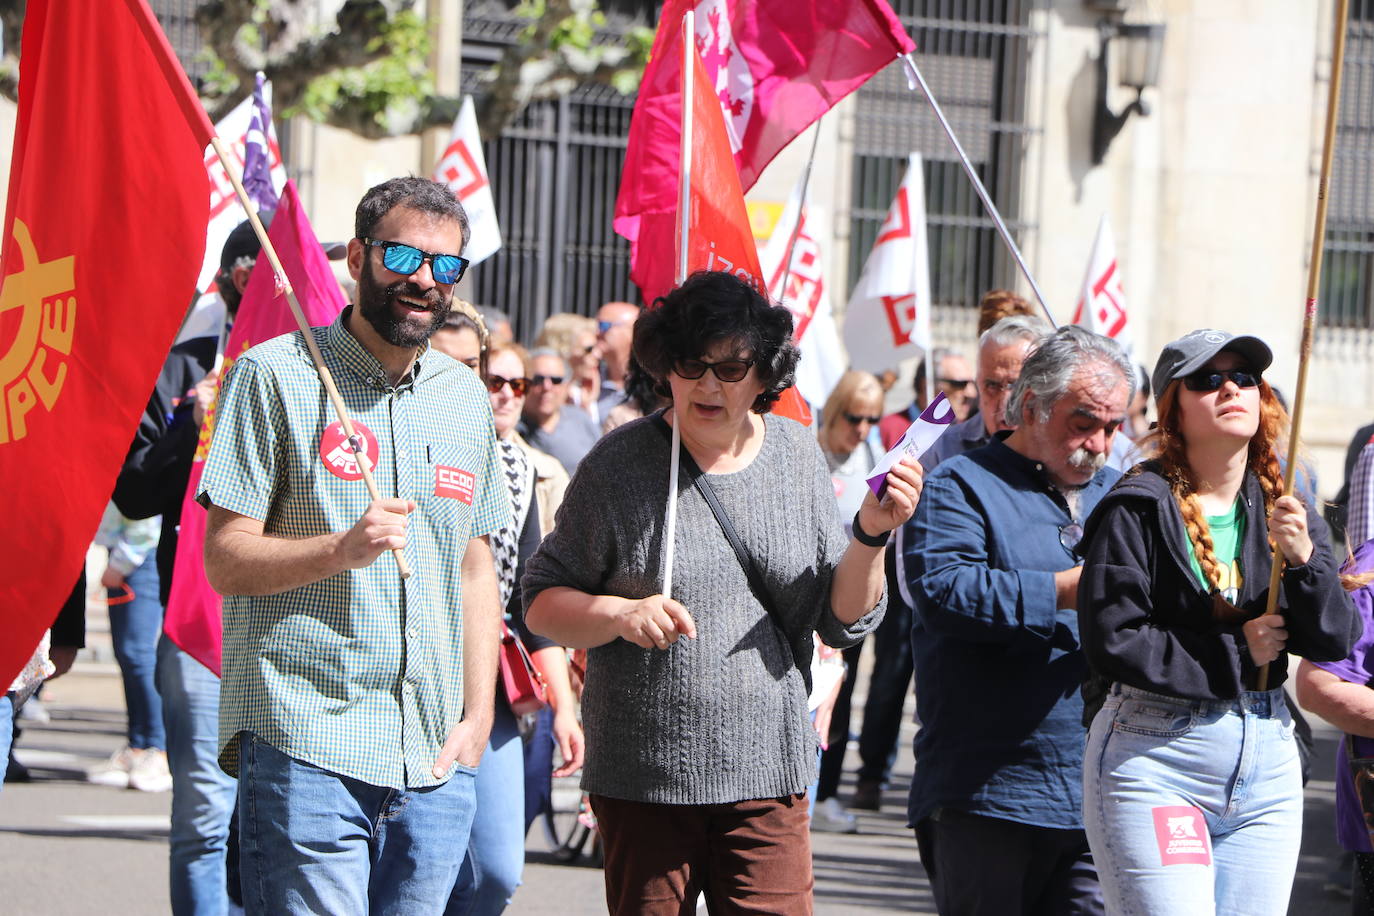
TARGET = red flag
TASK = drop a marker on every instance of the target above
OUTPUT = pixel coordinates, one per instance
(100, 252)
(718, 234)
(193, 607)
(775, 66)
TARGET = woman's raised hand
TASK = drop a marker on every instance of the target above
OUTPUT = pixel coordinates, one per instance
(1288, 528)
(655, 622)
(899, 500)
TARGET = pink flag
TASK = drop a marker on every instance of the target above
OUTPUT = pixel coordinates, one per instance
(888, 318)
(1102, 304)
(193, 608)
(775, 65)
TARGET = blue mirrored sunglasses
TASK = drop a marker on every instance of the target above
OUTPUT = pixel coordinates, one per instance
(406, 259)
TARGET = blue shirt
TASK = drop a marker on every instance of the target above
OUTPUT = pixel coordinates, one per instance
(998, 663)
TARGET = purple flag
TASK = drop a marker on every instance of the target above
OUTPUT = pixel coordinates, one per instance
(257, 162)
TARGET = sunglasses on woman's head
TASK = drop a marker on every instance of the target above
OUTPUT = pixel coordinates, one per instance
(855, 419)
(727, 370)
(518, 386)
(406, 259)
(1213, 379)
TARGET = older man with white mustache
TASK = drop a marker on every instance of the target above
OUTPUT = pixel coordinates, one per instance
(989, 566)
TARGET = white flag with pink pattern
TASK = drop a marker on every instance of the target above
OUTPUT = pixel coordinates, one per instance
(822, 356)
(1102, 302)
(888, 318)
(463, 169)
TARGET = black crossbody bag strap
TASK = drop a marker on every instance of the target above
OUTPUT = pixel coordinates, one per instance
(708, 493)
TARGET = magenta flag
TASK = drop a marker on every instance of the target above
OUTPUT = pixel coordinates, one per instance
(193, 608)
(775, 65)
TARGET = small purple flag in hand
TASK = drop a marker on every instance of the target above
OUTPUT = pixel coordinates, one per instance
(919, 437)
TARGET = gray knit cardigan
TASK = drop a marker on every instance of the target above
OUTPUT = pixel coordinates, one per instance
(723, 717)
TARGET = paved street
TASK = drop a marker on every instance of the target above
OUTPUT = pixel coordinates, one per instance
(71, 848)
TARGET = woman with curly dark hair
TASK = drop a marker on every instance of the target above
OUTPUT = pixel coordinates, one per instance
(1192, 793)
(700, 748)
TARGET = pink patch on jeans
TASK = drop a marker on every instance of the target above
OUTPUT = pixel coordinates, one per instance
(1182, 834)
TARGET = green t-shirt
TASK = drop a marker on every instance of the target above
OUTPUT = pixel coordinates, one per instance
(1227, 531)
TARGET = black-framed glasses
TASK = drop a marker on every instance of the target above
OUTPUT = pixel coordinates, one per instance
(403, 259)
(955, 382)
(856, 418)
(1213, 379)
(727, 370)
(518, 386)
(538, 380)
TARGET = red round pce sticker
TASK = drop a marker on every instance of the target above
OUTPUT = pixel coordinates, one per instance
(337, 452)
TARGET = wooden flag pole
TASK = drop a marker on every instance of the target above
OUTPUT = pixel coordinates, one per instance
(326, 379)
(1314, 274)
(914, 79)
(684, 213)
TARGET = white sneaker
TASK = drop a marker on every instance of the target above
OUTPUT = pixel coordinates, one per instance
(149, 772)
(830, 817)
(35, 711)
(115, 771)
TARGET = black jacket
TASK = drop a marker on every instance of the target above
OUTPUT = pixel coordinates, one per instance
(158, 466)
(1145, 620)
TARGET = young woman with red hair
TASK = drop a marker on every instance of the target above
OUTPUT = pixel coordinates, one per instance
(1192, 792)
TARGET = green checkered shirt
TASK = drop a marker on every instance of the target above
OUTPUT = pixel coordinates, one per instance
(360, 673)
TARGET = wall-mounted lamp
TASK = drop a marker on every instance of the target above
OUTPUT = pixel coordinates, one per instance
(1140, 46)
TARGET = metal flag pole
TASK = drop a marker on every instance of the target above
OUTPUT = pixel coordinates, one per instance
(684, 214)
(326, 379)
(801, 209)
(914, 80)
(1314, 272)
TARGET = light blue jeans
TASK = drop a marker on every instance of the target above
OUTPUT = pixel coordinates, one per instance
(134, 629)
(202, 793)
(1193, 806)
(496, 847)
(6, 733)
(312, 841)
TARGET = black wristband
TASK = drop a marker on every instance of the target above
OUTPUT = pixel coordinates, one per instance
(863, 537)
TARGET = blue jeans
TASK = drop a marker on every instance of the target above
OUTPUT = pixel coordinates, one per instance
(6, 734)
(134, 629)
(202, 793)
(496, 847)
(1193, 806)
(312, 841)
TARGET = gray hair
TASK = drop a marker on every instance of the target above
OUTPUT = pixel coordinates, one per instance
(550, 351)
(1052, 363)
(1013, 329)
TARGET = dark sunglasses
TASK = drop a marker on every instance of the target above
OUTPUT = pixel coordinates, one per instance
(727, 370)
(539, 380)
(955, 382)
(1213, 379)
(406, 259)
(518, 386)
(855, 419)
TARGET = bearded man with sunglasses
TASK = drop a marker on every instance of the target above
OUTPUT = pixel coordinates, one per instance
(551, 424)
(356, 704)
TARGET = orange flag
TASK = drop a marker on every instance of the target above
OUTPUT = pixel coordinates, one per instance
(718, 235)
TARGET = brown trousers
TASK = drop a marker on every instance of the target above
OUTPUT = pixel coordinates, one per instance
(747, 857)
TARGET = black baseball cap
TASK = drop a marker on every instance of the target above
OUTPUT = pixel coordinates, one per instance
(241, 243)
(1192, 351)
